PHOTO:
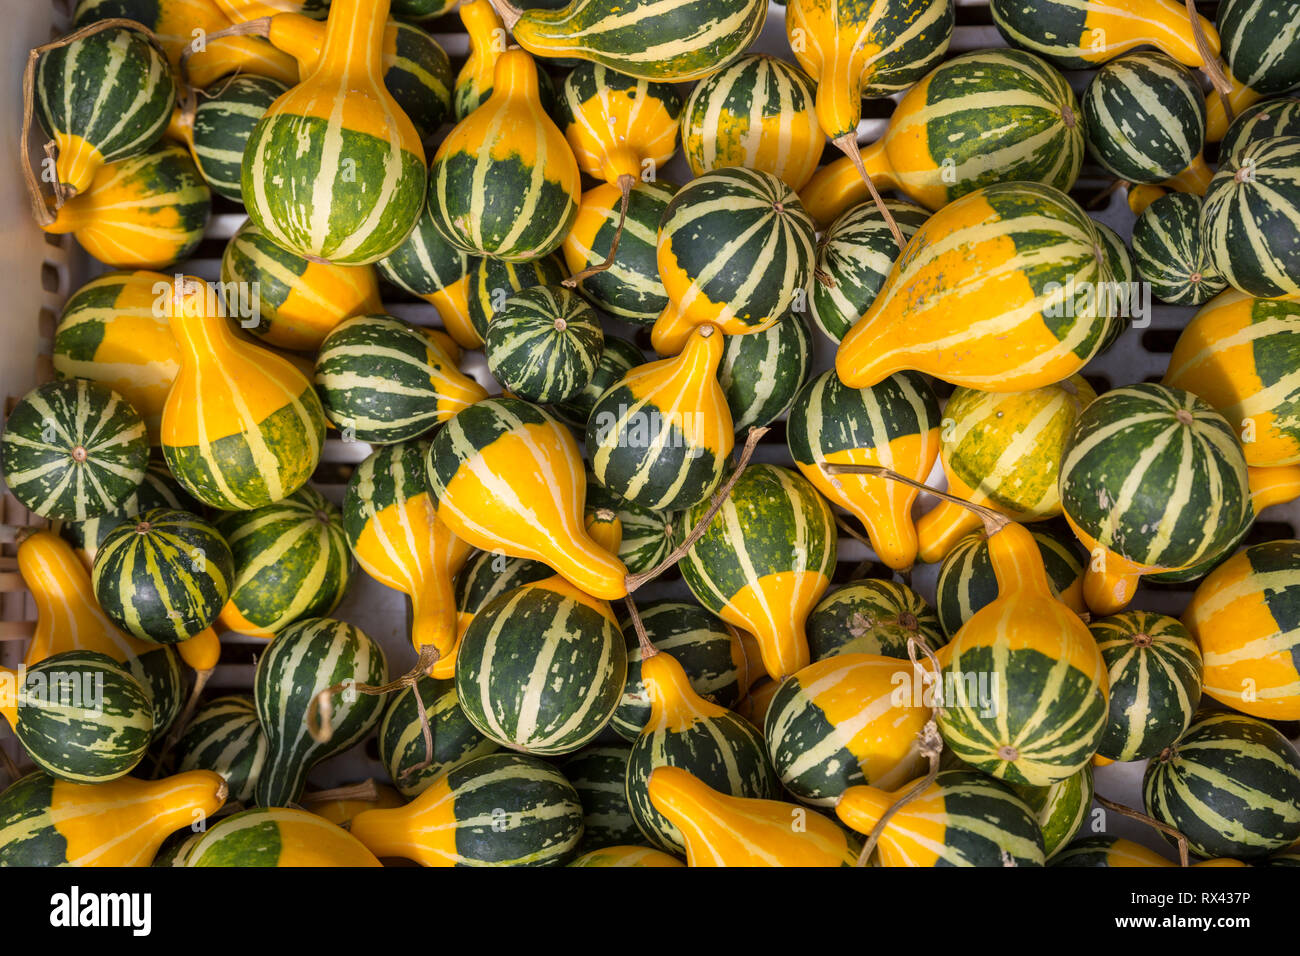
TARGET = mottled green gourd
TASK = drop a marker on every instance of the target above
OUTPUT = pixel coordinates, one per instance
(225, 737)
(760, 373)
(544, 344)
(617, 358)
(223, 121)
(1171, 253)
(872, 617)
(401, 735)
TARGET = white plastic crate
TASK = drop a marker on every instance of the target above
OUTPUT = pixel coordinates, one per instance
(39, 272)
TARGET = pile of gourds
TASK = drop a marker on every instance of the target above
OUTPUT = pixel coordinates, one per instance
(547, 712)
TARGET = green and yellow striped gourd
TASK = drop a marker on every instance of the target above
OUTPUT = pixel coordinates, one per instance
(1062, 808)
(544, 344)
(647, 534)
(158, 490)
(762, 372)
(401, 735)
(492, 282)
(218, 131)
(598, 774)
(488, 39)
(428, 266)
(617, 358)
(225, 737)
(277, 837)
(626, 856)
(1260, 61)
(872, 617)
(1171, 254)
(1279, 117)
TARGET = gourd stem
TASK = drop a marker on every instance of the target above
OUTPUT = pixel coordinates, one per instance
(1210, 62)
(509, 14)
(634, 581)
(993, 521)
(321, 709)
(848, 144)
(365, 790)
(648, 650)
(426, 732)
(1105, 194)
(40, 210)
(849, 530)
(1165, 828)
(625, 184)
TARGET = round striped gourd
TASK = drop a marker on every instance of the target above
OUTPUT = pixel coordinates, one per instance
(710, 652)
(758, 113)
(291, 562)
(1062, 808)
(1237, 354)
(1231, 785)
(1155, 477)
(103, 97)
(685, 41)
(1108, 851)
(544, 344)
(540, 669)
(491, 194)
(1170, 253)
(661, 436)
(224, 736)
(845, 721)
(1123, 270)
(647, 534)
(428, 266)
(123, 822)
(967, 583)
(401, 735)
(1024, 685)
(1145, 117)
(487, 576)
(223, 121)
(854, 256)
(1265, 120)
(736, 250)
(894, 424)
(163, 577)
(1251, 218)
(304, 659)
(110, 332)
(761, 372)
(686, 731)
(388, 381)
(617, 358)
(1033, 331)
(507, 443)
(73, 450)
(963, 818)
(356, 193)
(630, 289)
(497, 810)
(158, 490)
(1155, 683)
(79, 715)
(626, 856)
(872, 617)
(277, 837)
(598, 775)
(764, 561)
(1258, 46)
(1244, 620)
(493, 282)
(145, 212)
(295, 301)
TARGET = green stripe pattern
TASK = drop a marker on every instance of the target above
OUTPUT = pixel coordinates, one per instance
(1231, 785)
(872, 617)
(647, 534)
(401, 735)
(630, 289)
(598, 775)
(390, 475)
(224, 736)
(985, 824)
(1280, 117)
(164, 577)
(544, 344)
(73, 450)
(617, 358)
(493, 282)
(1156, 475)
(487, 576)
(425, 262)
(28, 836)
(1259, 43)
(222, 125)
(304, 659)
(761, 372)
(158, 490)
(420, 78)
(1123, 269)
(1062, 808)
(1171, 253)
(1054, 29)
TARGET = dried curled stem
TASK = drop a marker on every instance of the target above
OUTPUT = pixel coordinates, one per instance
(321, 710)
(1176, 835)
(848, 144)
(993, 520)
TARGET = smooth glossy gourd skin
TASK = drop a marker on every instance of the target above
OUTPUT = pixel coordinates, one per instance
(618, 126)
(279, 837)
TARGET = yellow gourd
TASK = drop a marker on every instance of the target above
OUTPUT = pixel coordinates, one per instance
(340, 806)
(488, 39)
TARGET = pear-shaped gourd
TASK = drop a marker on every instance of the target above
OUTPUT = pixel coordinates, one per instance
(335, 169)
(1025, 686)
(303, 660)
(764, 561)
(719, 829)
(242, 427)
(428, 266)
(684, 730)
(395, 529)
(1001, 290)
(509, 478)
(894, 424)
(49, 822)
(279, 837)
(963, 818)
(643, 38)
(504, 182)
(662, 435)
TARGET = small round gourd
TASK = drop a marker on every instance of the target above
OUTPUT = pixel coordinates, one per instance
(544, 344)
(223, 121)
(225, 737)
(492, 282)
(1171, 254)
(1062, 808)
(872, 617)
(617, 358)
(598, 774)
(158, 490)
(1280, 117)
(401, 735)
(761, 372)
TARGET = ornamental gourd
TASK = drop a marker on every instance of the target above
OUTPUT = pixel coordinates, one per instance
(626, 856)
(395, 529)
(762, 372)
(661, 436)
(872, 617)
(993, 292)
(1153, 479)
(335, 169)
(401, 735)
(618, 357)
(509, 478)
(242, 427)
(723, 830)
(1171, 253)
(217, 132)
(428, 266)
(764, 561)
(895, 425)
(225, 737)
(1048, 712)
(1061, 808)
(645, 39)
(277, 837)
(543, 344)
(49, 822)
(1277, 117)
(597, 773)
(493, 281)
(1260, 61)
(504, 182)
(980, 118)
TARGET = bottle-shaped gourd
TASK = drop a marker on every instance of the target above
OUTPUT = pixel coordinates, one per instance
(509, 478)
(335, 169)
(242, 427)
(279, 837)
(662, 435)
(504, 182)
